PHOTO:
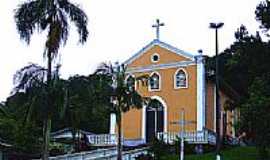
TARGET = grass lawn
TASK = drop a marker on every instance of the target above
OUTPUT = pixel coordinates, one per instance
(237, 153)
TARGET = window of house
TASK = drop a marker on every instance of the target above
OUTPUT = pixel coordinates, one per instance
(155, 57)
(180, 79)
(154, 82)
(130, 82)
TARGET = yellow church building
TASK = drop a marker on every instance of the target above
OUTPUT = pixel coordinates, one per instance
(178, 89)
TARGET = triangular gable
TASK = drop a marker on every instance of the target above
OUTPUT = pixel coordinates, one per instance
(163, 45)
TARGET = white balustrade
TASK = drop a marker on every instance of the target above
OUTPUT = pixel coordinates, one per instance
(201, 137)
(102, 139)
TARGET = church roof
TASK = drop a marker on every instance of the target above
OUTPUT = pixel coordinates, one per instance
(163, 45)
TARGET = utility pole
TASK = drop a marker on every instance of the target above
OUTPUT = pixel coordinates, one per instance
(216, 26)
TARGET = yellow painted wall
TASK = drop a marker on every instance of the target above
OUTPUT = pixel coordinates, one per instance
(175, 99)
(210, 109)
(166, 56)
(210, 105)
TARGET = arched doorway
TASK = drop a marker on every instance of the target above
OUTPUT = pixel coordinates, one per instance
(154, 119)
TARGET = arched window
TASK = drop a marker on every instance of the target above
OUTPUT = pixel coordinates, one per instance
(180, 79)
(130, 81)
(154, 82)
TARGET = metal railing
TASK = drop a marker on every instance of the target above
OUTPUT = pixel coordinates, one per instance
(199, 137)
(102, 154)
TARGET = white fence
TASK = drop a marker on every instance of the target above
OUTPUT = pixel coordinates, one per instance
(102, 154)
(198, 137)
(102, 139)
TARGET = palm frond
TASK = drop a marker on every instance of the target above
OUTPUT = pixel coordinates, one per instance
(77, 16)
(29, 76)
(2, 110)
(27, 16)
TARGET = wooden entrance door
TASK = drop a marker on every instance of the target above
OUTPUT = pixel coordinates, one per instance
(154, 119)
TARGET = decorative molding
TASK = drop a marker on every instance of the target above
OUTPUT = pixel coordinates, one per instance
(152, 57)
(163, 45)
(165, 127)
(174, 78)
(151, 68)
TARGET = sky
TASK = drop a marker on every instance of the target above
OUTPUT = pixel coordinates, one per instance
(119, 28)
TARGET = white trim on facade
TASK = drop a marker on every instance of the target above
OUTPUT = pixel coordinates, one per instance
(143, 134)
(152, 58)
(163, 45)
(159, 82)
(174, 78)
(165, 129)
(200, 93)
(112, 123)
(154, 67)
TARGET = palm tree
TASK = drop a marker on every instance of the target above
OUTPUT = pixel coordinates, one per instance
(124, 97)
(32, 81)
(54, 17)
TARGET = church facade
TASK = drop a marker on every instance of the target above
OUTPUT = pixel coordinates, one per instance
(177, 86)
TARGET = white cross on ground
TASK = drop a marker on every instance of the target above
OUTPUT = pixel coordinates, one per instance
(182, 122)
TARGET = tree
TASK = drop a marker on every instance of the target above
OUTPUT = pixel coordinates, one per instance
(262, 13)
(123, 96)
(86, 104)
(245, 67)
(85, 107)
(256, 114)
(52, 16)
(31, 80)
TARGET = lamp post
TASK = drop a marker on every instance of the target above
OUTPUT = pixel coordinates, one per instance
(216, 26)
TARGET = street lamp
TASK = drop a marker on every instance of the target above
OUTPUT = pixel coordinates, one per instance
(216, 26)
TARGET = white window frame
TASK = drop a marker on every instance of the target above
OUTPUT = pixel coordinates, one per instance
(175, 74)
(159, 84)
(135, 82)
(152, 56)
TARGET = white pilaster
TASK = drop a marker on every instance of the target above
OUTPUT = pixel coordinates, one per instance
(200, 93)
(112, 123)
(143, 122)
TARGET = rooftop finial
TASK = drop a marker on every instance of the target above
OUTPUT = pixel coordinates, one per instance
(157, 25)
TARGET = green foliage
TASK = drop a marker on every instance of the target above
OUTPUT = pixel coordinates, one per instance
(245, 66)
(256, 114)
(238, 153)
(159, 149)
(263, 14)
(86, 107)
(25, 138)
